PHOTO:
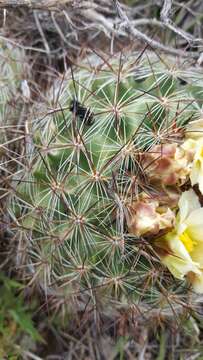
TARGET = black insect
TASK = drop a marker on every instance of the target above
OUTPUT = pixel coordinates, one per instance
(84, 113)
(182, 81)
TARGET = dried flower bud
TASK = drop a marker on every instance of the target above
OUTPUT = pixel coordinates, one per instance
(168, 164)
(147, 216)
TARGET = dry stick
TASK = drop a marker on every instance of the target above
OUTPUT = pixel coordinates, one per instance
(143, 37)
(5, 39)
(167, 9)
(165, 17)
(36, 4)
(46, 45)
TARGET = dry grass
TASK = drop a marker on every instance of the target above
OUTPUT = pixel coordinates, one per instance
(53, 32)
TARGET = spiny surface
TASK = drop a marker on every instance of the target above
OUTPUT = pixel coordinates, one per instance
(11, 114)
(83, 169)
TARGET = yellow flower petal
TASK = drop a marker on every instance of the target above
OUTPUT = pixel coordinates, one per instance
(197, 282)
(197, 163)
(189, 145)
(187, 204)
(194, 148)
(182, 249)
(197, 254)
(194, 129)
(179, 262)
(180, 267)
(194, 224)
(187, 241)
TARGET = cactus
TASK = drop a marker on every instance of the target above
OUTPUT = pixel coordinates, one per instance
(13, 72)
(82, 170)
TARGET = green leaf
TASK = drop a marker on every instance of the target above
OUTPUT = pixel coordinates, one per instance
(25, 323)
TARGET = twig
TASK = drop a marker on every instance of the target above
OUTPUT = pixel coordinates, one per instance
(35, 4)
(46, 45)
(3, 38)
(166, 11)
(165, 17)
(151, 42)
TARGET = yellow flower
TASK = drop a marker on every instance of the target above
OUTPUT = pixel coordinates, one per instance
(194, 129)
(182, 249)
(195, 148)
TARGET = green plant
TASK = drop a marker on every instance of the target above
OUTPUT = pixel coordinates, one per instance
(15, 320)
(13, 73)
(13, 98)
(83, 168)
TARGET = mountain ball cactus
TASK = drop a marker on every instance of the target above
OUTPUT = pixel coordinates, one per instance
(85, 167)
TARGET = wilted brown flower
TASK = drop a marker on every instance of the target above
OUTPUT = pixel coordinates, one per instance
(167, 164)
(147, 216)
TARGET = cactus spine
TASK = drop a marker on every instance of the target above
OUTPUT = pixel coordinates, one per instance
(82, 169)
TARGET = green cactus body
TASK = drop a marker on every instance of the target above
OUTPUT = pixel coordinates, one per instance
(11, 61)
(81, 170)
(11, 108)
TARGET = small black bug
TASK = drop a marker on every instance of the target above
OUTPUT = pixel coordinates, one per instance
(182, 81)
(84, 113)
